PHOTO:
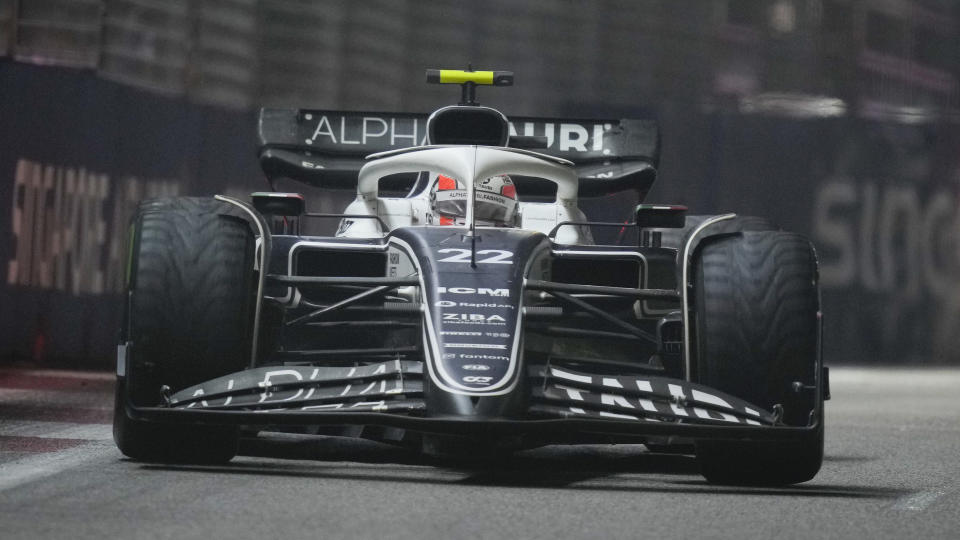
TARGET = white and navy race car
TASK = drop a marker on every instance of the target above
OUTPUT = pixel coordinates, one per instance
(463, 305)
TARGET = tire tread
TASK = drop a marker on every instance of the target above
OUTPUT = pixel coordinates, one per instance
(757, 331)
(189, 321)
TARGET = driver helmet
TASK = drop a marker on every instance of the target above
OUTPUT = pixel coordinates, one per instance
(496, 201)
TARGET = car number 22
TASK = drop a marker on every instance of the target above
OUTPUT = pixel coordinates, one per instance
(484, 256)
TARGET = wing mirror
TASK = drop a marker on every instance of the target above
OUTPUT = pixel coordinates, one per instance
(658, 216)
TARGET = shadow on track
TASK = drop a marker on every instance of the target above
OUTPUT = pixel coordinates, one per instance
(621, 468)
(848, 459)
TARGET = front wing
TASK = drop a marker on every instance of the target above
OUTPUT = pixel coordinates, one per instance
(562, 404)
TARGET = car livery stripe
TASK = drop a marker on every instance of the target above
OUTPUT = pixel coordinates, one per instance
(435, 368)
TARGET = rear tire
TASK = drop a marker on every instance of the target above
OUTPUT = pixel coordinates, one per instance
(188, 320)
(757, 331)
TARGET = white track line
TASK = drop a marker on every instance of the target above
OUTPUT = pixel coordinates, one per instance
(56, 430)
(898, 378)
(31, 468)
(918, 502)
(61, 373)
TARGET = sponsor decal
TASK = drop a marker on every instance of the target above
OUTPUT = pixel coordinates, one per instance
(483, 357)
(684, 402)
(565, 135)
(450, 303)
(476, 379)
(473, 318)
(454, 333)
(371, 405)
(480, 196)
(344, 227)
(275, 387)
(384, 131)
(470, 290)
(367, 130)
(487, 305)
(475, 346)
(476, 367)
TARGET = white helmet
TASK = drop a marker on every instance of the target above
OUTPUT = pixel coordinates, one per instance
(496, 201)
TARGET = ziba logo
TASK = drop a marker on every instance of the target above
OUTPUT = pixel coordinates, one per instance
(470, 290)
(478, 317)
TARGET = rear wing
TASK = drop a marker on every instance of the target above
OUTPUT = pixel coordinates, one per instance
(327, 148)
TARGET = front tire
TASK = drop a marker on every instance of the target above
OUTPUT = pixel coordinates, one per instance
(756, 334)
(188, 320)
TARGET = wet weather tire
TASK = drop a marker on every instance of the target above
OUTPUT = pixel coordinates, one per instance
(756, 333)
(188, 320)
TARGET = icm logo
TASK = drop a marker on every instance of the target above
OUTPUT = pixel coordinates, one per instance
(470, 290)
(476, 367)
(445, 303)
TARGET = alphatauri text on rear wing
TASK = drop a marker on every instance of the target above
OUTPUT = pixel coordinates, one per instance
(327, 148)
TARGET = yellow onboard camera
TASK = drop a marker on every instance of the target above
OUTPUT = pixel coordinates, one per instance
(458, 76)
(468, 81)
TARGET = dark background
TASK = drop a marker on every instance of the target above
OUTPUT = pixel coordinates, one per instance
(835, 118)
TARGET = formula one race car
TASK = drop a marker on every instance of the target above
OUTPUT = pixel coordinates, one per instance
(472, 312)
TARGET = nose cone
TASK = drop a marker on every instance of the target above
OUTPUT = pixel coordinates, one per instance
(473, 314)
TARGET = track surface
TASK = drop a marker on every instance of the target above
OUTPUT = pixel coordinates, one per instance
(892, 470)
